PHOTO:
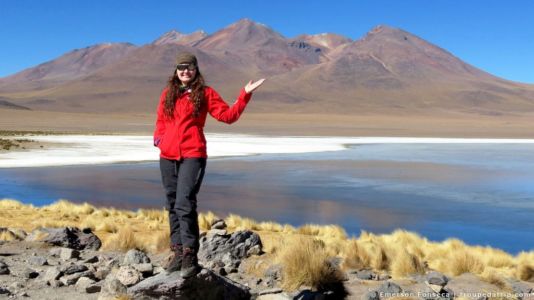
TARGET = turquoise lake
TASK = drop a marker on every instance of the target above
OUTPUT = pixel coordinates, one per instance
(482, 194)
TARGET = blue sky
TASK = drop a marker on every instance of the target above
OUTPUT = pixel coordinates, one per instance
(496, 36)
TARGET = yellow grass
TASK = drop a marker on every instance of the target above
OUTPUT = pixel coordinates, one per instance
(401, 253)
(405, 263)
(305, 262)
(7, 236)
(205, 220)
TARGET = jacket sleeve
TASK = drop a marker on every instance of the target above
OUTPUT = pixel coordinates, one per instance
(160, 121)
(219, 110)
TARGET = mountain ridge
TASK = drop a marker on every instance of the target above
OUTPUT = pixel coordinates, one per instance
(388, 70)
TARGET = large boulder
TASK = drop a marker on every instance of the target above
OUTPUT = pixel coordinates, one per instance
(219, 249)
(205, 285)
(72, 237)
(134, 256)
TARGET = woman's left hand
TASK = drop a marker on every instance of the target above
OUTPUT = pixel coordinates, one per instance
(251, 86)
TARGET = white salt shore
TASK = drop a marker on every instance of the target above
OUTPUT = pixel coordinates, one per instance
(93, 149)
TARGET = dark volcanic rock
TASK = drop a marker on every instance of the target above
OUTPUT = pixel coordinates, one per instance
(205, 285)
(4, 270)
(220, 249)
(72, 237)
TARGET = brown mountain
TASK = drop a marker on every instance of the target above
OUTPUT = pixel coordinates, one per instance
(392, 70)
(71, 66)
(389, 71)
(258, 48)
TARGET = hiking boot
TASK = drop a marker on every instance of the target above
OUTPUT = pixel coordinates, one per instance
(176, 262)
(190, 265)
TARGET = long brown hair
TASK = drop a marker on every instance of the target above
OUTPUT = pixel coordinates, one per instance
(173, 93)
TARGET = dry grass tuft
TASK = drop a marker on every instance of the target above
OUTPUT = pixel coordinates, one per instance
(305, 262)
(271, 226)
(493, 276)
(13, 204)
(461, 261)
(330, 231)
(239, 223)
(355, 256)
(8, 236)
(123, 240)
(69, 208)
(405, 263)
(525, 272)
(206, 219)
(152, 215)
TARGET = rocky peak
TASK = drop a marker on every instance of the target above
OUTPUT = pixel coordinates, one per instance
(324, 40)
(175, 37)
(243, 32)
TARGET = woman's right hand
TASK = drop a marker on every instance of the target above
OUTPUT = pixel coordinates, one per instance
(251, 86)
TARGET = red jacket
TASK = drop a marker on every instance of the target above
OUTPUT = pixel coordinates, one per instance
(183, 136)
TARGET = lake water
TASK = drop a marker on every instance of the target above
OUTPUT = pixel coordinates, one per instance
(480, 193)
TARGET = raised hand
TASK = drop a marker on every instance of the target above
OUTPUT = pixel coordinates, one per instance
(251, 86)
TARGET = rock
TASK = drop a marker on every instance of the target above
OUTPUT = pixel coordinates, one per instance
(205, 285)
(71, 269)
(274, 272)
(435, 288)
(441, 294)
(382, 277)
(145, 269)
(112, 262)
(372, 295)
(72, 237)
(112, 287)
(16, 285)
(213, 232)
(91, 260)
(38, 261)
(128, 276)
(255, 250)
(389, 288)
(521, 288)
(135, 256)
(4, 291)
(365, 275)
(4, 269)
(218, 224)
(308, 294)
(270, 291)
(73, 278)
(281, 296)
(55, 283)
(29, 273)
(55, 252)
(102, 272)
(87, 285)
(236, 246)
(67, 253)
(51, 274)
(158, 270)
(436, 278)
(17, 233)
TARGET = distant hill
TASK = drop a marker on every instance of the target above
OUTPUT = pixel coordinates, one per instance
(388, 71)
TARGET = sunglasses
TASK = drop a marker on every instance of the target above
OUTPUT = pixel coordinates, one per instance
(183, 67)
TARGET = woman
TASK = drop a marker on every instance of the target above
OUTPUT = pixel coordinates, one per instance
(181, 115)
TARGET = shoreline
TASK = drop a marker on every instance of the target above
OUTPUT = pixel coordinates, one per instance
(67, 149)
